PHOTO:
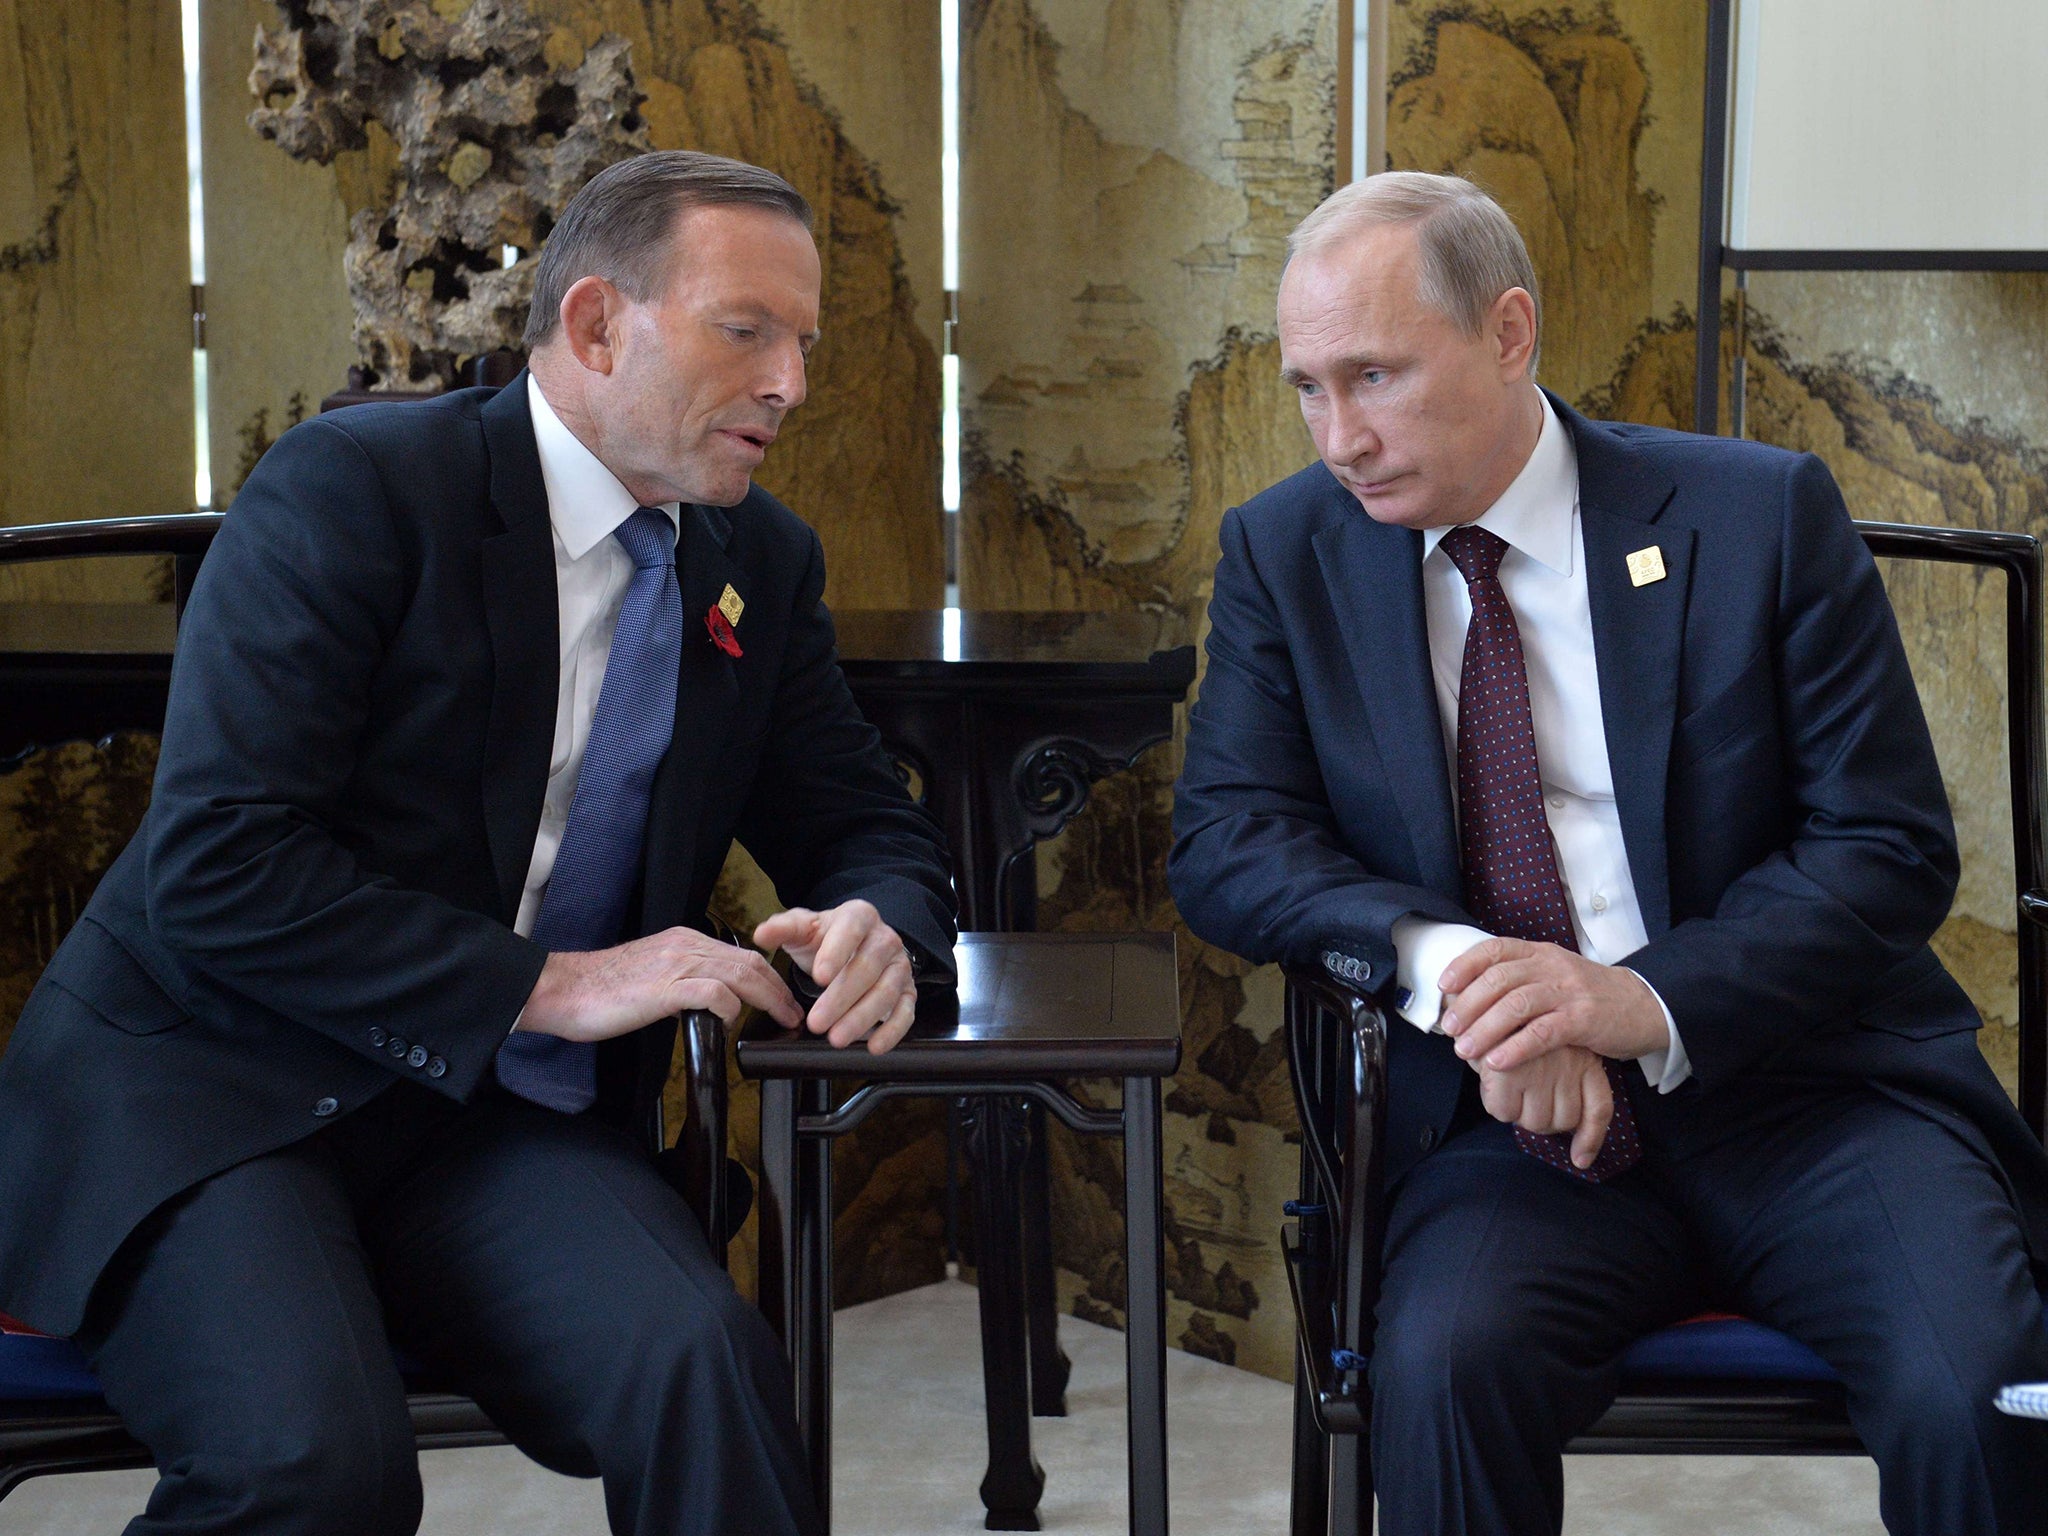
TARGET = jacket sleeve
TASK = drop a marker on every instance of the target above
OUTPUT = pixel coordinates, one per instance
(1810, 934)
(827, 819)
(246, 878)
(1259, 865)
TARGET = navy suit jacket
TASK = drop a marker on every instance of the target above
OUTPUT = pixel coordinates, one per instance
(1786, 826)
(361, 721)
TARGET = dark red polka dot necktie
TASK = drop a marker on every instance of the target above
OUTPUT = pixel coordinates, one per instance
(1512, 886)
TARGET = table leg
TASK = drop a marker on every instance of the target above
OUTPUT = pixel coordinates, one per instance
(814, 1296)
(1049, 1364)
(777, 1290)
(1145, 1310)
(995, 1147)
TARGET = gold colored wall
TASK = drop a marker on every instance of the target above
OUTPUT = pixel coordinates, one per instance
(95, 334)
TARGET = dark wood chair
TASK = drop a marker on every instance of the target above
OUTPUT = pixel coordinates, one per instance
(1711, 1386)
(1032, 1012)
(82, 688)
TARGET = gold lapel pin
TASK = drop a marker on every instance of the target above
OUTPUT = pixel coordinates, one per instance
(1644, 567)
(731, 605)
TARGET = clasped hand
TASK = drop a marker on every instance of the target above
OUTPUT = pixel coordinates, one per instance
(870, 993)
(1535, 1021)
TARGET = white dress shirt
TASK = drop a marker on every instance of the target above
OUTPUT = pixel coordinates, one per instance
(586, 504)
(1543, 573)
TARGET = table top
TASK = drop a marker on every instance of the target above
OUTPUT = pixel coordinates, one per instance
(1029, 1005)
(1147, 646)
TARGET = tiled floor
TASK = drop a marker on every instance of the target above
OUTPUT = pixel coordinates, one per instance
(910, 1453)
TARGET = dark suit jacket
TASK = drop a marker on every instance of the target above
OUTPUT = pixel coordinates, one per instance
(1786, 825)
(362, 714)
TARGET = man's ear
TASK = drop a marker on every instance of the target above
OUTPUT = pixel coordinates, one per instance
(1513, 324)
(589, 318)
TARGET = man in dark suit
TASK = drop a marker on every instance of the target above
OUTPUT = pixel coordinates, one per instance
(1596, 747)
(470, 701)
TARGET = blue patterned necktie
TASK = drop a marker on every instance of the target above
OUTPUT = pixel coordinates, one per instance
(584, 906)
(1512, 883)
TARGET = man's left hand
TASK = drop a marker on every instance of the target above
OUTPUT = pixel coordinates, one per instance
(1507, 1001)
(870, 993)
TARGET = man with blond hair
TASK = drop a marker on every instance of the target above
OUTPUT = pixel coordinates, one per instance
(1595, 746)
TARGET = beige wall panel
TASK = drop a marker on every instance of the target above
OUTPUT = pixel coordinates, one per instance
(859, 459)
(277, 310)
(1129, 175)
(875, 67)
(95, 335)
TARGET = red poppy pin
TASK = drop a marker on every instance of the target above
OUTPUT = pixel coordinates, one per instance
(720, 619)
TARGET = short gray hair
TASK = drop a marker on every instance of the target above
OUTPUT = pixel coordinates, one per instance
(621, 226)
(1471, 253)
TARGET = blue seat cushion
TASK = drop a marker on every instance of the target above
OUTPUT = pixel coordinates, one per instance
(35, 1369)
(38, 1369)
(1721, 1348)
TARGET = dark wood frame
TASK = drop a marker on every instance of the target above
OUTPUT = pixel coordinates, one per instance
(1337, 1052)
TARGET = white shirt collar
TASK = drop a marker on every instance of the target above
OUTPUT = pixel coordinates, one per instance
(1534, 514)
(586, 502)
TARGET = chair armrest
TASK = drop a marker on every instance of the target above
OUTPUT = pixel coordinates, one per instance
(1337, 1054)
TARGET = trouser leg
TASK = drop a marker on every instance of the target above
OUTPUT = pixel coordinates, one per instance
(1885, 1239)
(238, 1336)
(1510, 1289)
(542, 1262)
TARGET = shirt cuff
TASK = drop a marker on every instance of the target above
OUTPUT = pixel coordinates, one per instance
(1423, 947)
(1667, 1068)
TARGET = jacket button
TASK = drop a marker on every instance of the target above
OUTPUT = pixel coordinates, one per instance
(377, 1037)
(437, 1068)
(326, 1107)
(396, 1047)
(417, 1056)
(1428, 1137)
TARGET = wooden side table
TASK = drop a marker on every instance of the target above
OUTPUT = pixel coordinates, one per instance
(1032, 1011)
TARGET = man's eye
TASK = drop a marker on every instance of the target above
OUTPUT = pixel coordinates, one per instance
(1372, 375)
(1309, 389)
(741, 332)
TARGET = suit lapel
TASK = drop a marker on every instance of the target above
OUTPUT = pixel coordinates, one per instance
(1374, 576)
(707, 691)
(1638, 632)
(521, 611)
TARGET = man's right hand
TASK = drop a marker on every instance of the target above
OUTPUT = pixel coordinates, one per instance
(1565, 1089)
(610, 992)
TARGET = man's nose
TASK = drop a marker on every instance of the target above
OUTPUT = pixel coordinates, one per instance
(786, 383)
(1348, 434)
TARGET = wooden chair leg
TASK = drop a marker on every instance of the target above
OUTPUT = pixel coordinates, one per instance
(1145, 1305)
(996, 1130)
(814, 1298)
(1351, 1508)
(1309, 1500)
(1050, 1367)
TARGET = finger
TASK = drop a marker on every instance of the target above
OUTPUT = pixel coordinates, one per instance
(1597, 1116)
(1501, 1097)
(794, 930)
(696, 992)
(1510, 1013)
(1466, 969)
(1551, 1027)
(897, 1025)
(1486, 989)
(840, 933)
(754, 981)
(878, 950)
(872, 1009)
